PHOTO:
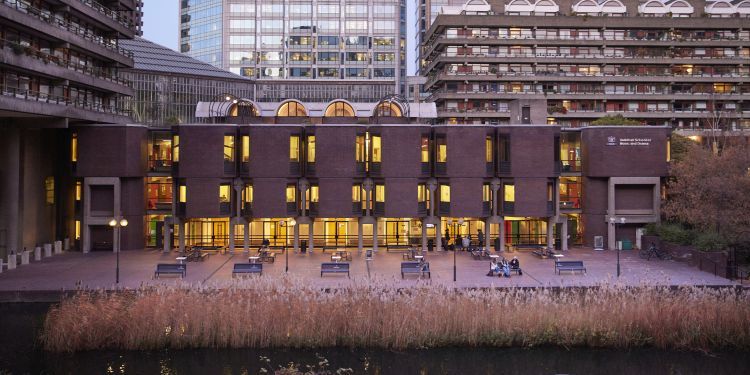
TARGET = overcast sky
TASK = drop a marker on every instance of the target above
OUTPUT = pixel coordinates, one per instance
(161, 25)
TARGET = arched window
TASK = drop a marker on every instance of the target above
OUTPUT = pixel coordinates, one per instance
(388, 109)
(291, 108)
(339, 109)
(244, 108)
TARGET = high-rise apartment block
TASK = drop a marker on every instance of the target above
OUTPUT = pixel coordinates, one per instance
(680, 63)
(316, 50)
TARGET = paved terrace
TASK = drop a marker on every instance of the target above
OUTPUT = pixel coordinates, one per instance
(97, 270)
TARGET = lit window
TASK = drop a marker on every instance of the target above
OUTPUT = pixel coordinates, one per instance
(294, 149)
(311, 149)
(356, 193)
(380, 193)
(291, 194)
(442, 153)
(228, 148)
(245, 148)
(183, 194)
(79, 190)
(176, 148)
(78, 230)
(486, 193)
(74, 148)
(311, 195)
(339, 109)
(387, 109)
(247, 194)
(224, 193)
(445, 193)
(423, 194)
(360, 149)
(669, 150)
(376, 149)
(425, 149)
(488, 149)
(292, 109)
(49, 189)
(509, 193)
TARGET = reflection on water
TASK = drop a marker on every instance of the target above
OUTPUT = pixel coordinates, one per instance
(19, 353)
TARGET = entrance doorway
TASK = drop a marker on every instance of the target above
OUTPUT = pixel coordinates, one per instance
(335, 233)
(207, 232)
(396, 232)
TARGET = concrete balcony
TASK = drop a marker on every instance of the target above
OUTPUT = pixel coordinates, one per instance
(105, 18)
(24, 101)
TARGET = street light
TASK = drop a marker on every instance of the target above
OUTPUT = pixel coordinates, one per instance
(292, 223)
(116, 225)
(613, 221)
(455, 234)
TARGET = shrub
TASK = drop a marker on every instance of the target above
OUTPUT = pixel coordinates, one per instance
(710, 241)
(671, 232)
(615, 120)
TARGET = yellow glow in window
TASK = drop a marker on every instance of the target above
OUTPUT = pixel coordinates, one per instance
(311, 149)
(245, 148)
(356, 193)
(183, 194)
(445, 193)
(247, 194)
(376, 150)
(442, 155)
(79, 190)
(379, 193)
(312, 194)
(224, 193)
(488, 149)
(74, 148)
(176, 148)
(229, 148)
(425, 149)
(486, 193)
(294, 149)
(509, 193)
(291, 194)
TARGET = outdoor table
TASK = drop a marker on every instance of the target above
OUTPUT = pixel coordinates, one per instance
(335, 258)
(494, 256)
(181, 259)
(254, 259)
(417, 257)
(558, 256)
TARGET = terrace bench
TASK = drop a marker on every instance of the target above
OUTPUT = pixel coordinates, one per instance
(543, 253)
(328, 267)
(247, 269)
(388, 248)
(569, 265)
(170, 269)
(266, 257)
(415, 268)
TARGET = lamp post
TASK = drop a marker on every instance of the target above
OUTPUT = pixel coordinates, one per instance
(613, 221)
(117, 225)
(292, 223)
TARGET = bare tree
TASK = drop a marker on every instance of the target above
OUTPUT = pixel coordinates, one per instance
(716, 124)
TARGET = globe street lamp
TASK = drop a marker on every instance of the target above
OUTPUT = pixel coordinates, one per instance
(614, 221)
(116, 226)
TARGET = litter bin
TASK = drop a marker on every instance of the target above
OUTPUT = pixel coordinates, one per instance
(627, 245)
(497, 244)
(303, 246)
(430, 244)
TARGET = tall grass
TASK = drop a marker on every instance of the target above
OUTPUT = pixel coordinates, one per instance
(288, 313)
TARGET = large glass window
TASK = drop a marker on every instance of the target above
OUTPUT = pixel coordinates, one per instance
(328, 41)
(247, 194)
(176, 148)
(442, 150)
(159, 191)
(228, 148)
(423, 195)
(509, 193)
(486, 193)
(74, 148)
(291, 194)
(224, 193)
(380, 193)
(311, 149)
(183, 194)
(294, 149)
(376, 149)
(245, 148)
(488, 149)
(425, 149)
(292, 109)
(49, 190)
(339, 109)
(360, 149)
(445, 193)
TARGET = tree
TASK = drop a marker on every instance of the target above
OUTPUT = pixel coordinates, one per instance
(709, 191)
(617, 119)
(679, 146)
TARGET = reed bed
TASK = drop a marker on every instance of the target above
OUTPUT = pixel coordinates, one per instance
(269, 313)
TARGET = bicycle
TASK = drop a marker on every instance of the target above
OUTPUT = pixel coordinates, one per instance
(653, 251)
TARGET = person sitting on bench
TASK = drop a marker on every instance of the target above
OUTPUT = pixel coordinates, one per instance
(516, 265)
(423, 267)
(494, 268)
(506, 268)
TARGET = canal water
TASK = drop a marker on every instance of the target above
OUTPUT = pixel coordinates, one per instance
(20, 354)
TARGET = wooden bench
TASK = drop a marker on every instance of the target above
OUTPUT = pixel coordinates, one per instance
(569, 265)
(415, 268)
(334, 268)
(170, 269)
(247, 269)
(543, 253)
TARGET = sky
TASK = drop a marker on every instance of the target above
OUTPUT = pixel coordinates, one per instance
(161, 25)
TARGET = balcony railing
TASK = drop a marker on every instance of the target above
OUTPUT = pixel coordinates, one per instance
(59, 61)
(160, 165)
(52, 99)
(160, 204)
(48, 17)
(571, 166)
(310, 169)
(567, 203)
(112, 14)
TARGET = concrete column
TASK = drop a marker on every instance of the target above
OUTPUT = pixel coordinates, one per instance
(375, 236)
(611, 233)
(302, 185)
(38, 253)
(438, 235)
(181, 227)
(360, 244)
(551, 233)
(231, 235)
(424, 236)
(310, 234)
(296, 238)
(564, 233)
(611, 241)
(246, 237)
(166, 238)
(501, 233)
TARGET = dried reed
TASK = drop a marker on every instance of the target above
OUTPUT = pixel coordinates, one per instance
(264, 313)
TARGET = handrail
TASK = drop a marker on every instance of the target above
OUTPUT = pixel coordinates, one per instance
(48, 17)
(53, 99)
(65, 63)
(108, 12)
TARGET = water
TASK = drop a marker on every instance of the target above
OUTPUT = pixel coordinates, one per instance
(20, 354)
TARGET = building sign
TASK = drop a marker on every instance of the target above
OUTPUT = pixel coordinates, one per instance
(614, 141)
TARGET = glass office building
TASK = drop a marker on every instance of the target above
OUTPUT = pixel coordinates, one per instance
(311, 50)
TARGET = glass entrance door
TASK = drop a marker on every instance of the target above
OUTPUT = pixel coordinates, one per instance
(396, 232)
(275, 233)
(335, 233)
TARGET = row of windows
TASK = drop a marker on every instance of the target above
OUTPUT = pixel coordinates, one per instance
(269, 41)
